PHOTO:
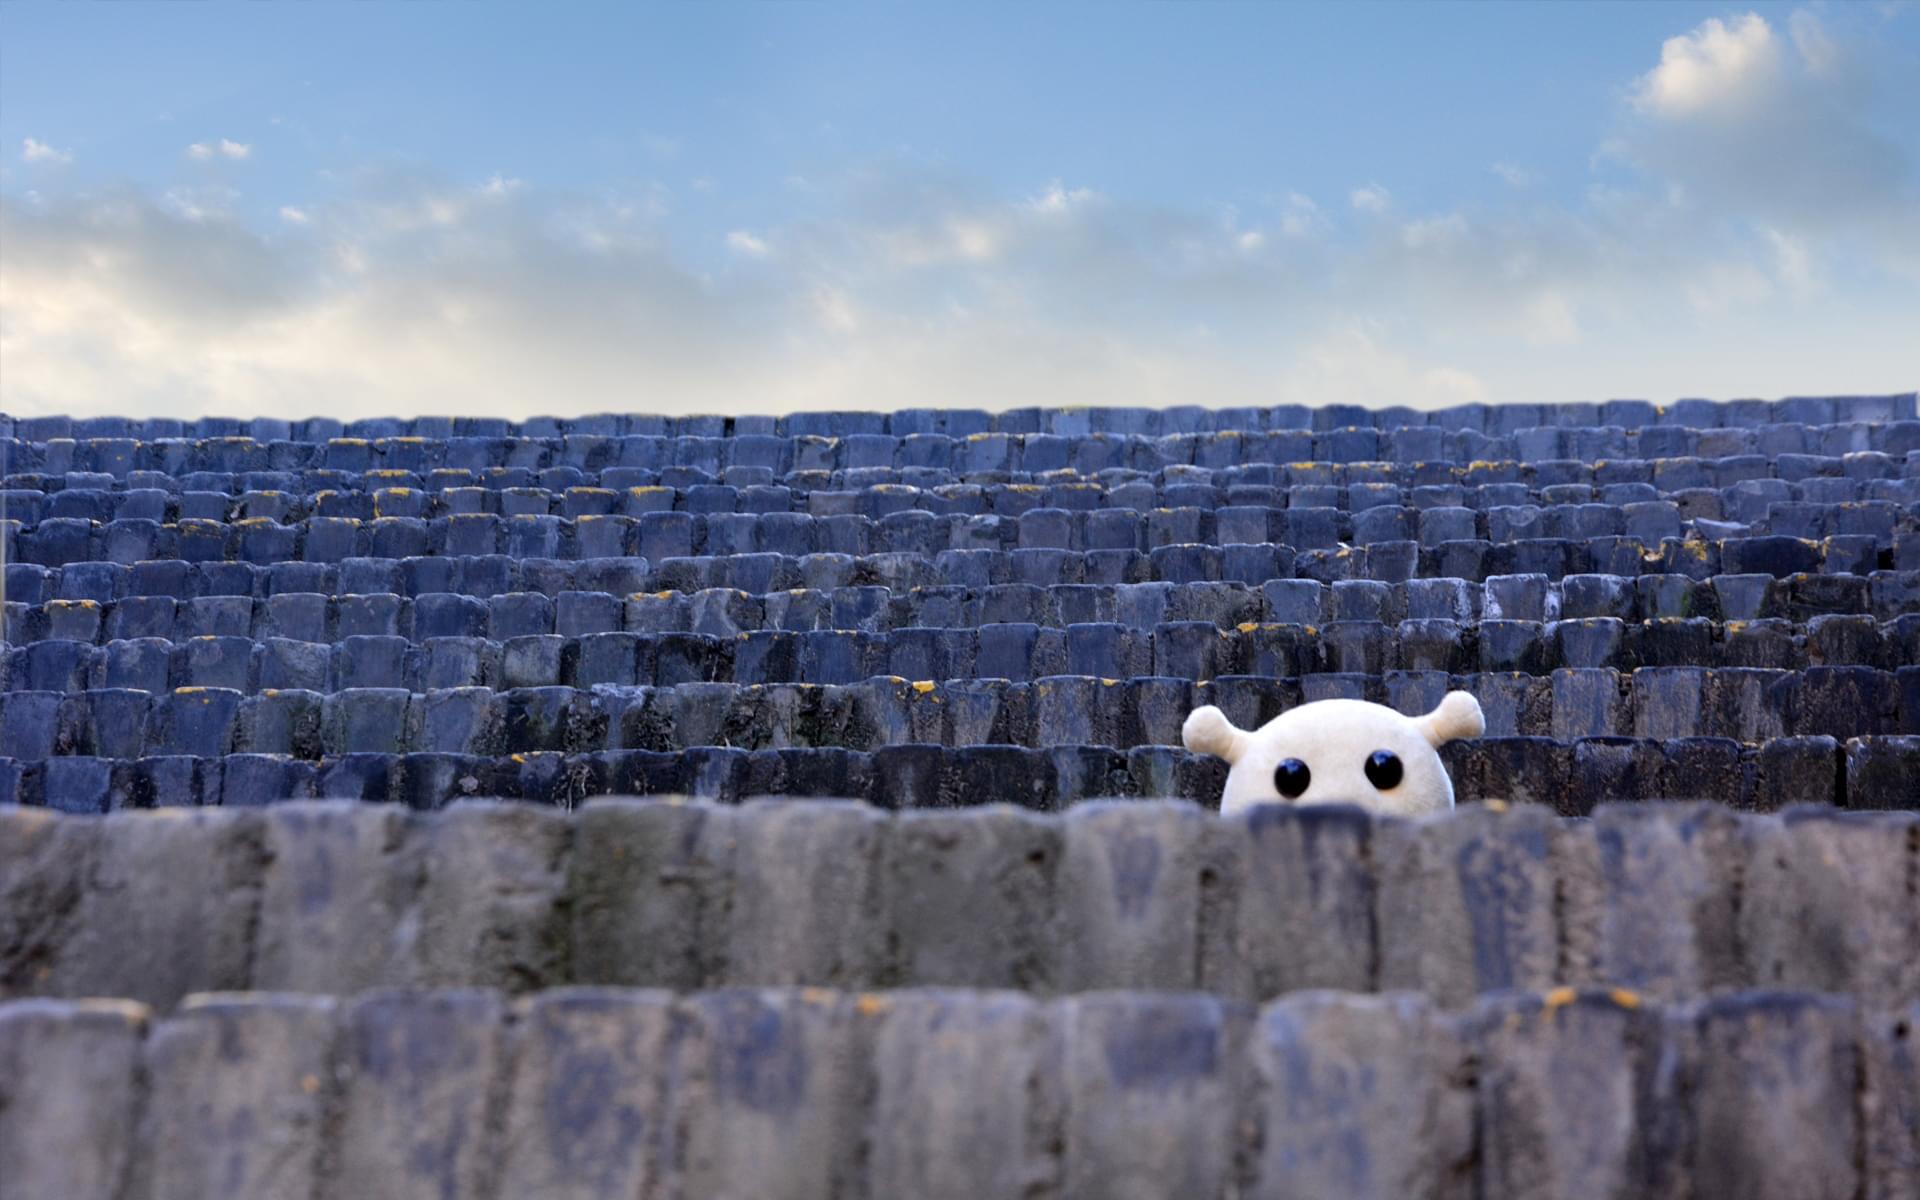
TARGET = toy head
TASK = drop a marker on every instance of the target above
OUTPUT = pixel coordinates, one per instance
(1338, 752)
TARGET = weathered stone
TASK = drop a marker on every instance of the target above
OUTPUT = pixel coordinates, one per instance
(586, 1114)
(45, 859)
(1152, 1079)
(417, 1073)
(804, 890)
(237, 1085)
(1135, 882)
(1298, 909)
(1617, 1133)
(1466, 902)
(1649, 899)
(1773, 1090)
(332, 908)
(765, 1095)
(67, 1099)
(167, 909)
(1360, 1096)
(1827, 904)
(1890, 1104)
(970, 899)
(491, 909)
(649, 892)
(937, 1056)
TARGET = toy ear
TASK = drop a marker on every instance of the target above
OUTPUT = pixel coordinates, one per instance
(1458, 716)
(1207, 731)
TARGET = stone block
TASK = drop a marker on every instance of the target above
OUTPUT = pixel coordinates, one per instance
(67, 1096)
(1826, 904)
(1360, 1096)
(1134, 882)
(970, 899)
(1466, 903)
(1773, 1099)
(766, 1093)
(1649, 899)
(975, 1045)
(491, 909)
(1616, 1134)
(331, 910)
(242, 1082)
(586, 1112)
(803, 887)
(1297, 903)
(418, 1080)
(1152, 1079)
(649, 892)
(1883, 772)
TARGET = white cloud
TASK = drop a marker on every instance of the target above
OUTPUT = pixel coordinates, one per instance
(741, 242)
(1431, 232)
(1684, 268)
(1300, 216)
(208, 151)
(1810, 37)
(1514, 176)
(35, 151)
(1060, 200)
(1715, 66)
(1371, 199)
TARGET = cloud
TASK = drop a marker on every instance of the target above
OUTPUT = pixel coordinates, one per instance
(34, 151)
(1514, 176)
(1687, 267)
(1742, 120)
(1717, 66)
(208, 151)
(1371, 199)
(743, 243)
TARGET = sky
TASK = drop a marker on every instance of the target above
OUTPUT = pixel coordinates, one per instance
(489, 208)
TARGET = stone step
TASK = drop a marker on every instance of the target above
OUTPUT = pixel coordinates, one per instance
(200, 769)
(1671, 900)
(794, 1094)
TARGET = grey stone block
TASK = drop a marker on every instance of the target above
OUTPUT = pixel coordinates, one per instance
(970, 899)
(1152, 1079)
(1360, 1096)
(1773, 1096)
(805, 881)
(1135, 882)
(766, 1095)
(1649, 899)
(167, 909)
(1618, 1133)
(1298, 906)
(331, 909)
(586, 1113)
(649, 889)
(1890, 1104)
(1466, 903)
(242, 1085)
(492, 907)
(935, 1054)
(419, 1070)
(1827, 904)
(67, 1097)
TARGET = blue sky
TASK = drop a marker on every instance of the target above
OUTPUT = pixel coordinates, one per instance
(484, 207)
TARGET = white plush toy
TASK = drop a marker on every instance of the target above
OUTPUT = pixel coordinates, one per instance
(1338, 752)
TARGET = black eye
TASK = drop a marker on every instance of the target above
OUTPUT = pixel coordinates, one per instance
(1292, 778)
(1384, 770)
